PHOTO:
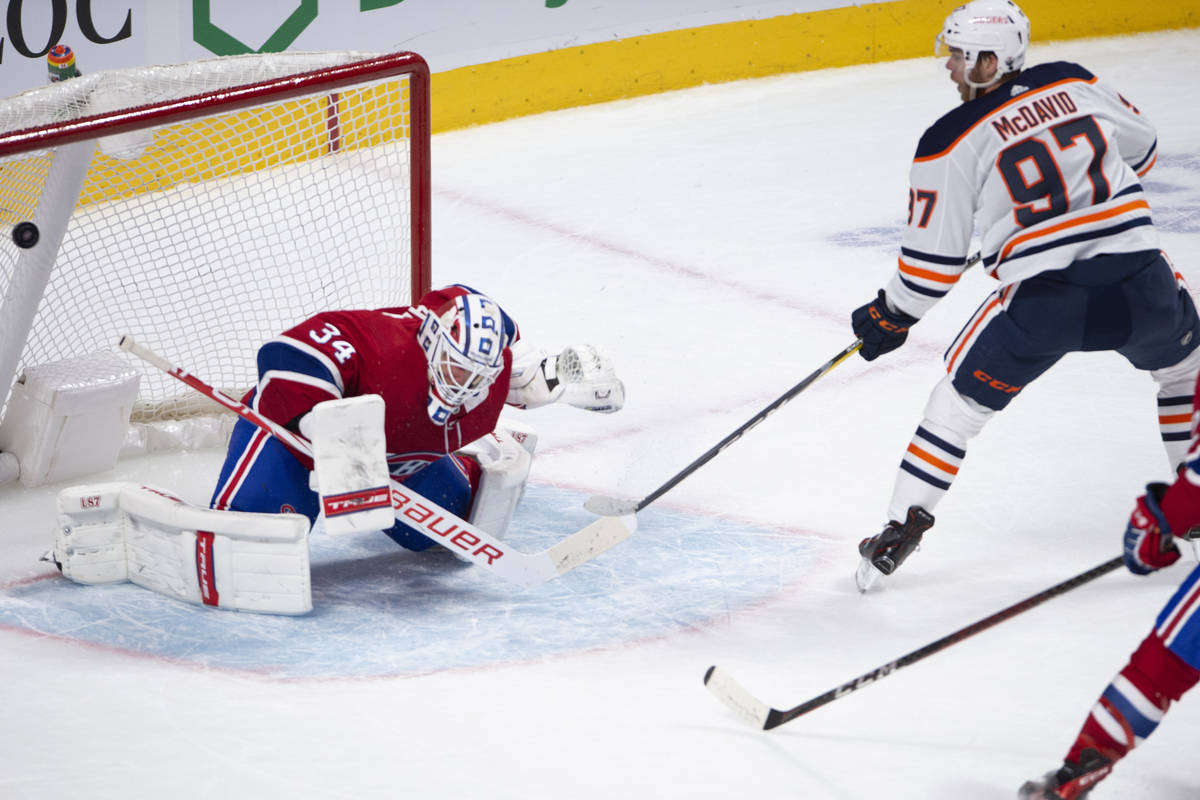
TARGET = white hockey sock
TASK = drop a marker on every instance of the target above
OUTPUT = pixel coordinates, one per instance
(1175, 387)
(929, 466)
(933, 457)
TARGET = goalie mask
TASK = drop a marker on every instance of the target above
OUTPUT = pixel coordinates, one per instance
(464, 345)
(981, 26)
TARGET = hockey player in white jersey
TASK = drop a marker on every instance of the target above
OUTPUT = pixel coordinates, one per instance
(1044, 164)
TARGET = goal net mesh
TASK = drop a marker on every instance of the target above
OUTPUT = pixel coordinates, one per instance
(206, 237)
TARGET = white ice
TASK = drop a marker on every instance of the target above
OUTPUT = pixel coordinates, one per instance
(713, 241)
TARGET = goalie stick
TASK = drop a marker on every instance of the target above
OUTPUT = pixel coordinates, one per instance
(443, 527)
(616, 507)
(757, 714)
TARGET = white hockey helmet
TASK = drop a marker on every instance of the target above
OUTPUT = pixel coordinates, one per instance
(464, 345)
(996, 26)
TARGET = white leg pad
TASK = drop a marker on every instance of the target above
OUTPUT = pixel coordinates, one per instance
(350, 463)
(505, 457)
(113, 532)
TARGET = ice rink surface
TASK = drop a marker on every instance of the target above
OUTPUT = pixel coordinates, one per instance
(713, 242)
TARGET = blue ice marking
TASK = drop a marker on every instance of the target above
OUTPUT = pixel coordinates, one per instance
(380, 610)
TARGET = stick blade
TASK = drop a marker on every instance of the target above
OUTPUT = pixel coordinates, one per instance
(746, 706)
(584, 545)
(610, 506)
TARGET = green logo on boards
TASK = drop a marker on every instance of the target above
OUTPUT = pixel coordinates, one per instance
(222, 43)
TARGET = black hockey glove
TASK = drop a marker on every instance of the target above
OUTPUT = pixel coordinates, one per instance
(881, 329)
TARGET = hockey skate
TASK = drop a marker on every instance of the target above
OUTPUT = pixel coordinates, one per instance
(884, 552)
(1070, 781)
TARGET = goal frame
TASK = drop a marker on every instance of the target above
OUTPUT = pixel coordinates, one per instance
(167, 112)
(74, 140)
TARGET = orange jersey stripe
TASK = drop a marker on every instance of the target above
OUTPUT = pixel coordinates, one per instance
(1172, 419)
(999, 299)
(1018, 99)
(937, 462)
(1072, 223)
(916, 272)
(1144, 170)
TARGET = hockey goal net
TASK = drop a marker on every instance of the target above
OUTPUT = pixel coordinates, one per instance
(205, 207)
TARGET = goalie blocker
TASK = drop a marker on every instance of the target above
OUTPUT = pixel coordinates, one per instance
(351, 476)
(116, 532)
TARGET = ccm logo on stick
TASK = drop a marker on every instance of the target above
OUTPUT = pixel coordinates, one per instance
(427, 521)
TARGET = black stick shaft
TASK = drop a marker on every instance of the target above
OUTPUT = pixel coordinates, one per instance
(776, 717)
(750, 423)
(760, 416)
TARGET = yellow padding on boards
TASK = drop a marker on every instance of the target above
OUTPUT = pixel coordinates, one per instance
(730, 51)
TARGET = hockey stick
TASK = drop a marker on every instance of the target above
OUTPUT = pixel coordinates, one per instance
(759, 715)
(615, 507)
(443, 527)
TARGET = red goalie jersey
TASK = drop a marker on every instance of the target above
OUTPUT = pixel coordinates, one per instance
(350, 353)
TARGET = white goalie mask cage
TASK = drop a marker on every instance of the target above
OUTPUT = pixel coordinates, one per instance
(996, 26)
(464, 347)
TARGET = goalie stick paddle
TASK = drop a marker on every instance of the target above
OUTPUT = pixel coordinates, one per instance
(443, 527)
(759, 715)
(615, 507)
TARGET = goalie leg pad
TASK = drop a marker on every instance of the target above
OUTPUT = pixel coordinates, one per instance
(505, 458)
(90, 545)
(109, 533)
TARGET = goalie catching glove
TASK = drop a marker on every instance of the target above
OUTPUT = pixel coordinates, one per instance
(578, 376)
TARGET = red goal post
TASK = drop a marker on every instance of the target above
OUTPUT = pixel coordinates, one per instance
(205, 207)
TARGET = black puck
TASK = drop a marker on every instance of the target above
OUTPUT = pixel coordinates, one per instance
(26, 234)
